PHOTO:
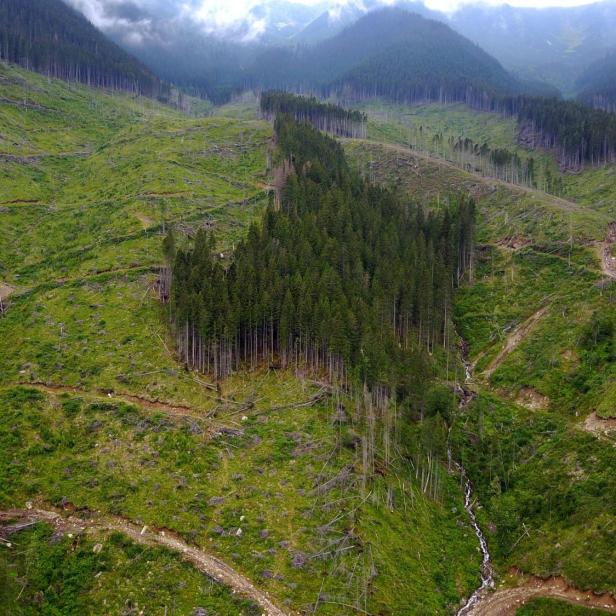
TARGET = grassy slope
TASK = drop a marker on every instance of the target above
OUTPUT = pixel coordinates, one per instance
(546, 486)
(82, 222)
(51, 573)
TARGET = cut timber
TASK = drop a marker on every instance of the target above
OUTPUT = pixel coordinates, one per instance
(608, 261)
(206, 563)
(5, 292)
(514, 339)
(506, 601)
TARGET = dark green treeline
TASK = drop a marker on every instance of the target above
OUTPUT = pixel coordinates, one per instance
(344, 278)
(324, 116)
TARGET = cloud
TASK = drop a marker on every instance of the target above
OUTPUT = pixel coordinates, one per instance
(137, 20)
(128, 11)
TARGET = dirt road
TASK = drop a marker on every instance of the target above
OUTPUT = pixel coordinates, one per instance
(152, 405)
(206, 563)
(514, 339)
(506, 601)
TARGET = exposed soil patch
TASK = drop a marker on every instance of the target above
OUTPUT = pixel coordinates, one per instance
(599, 426)
(146, 221)
(6, 290)
(206, 563)
(506, 601)
(514, 339)
(532, 399)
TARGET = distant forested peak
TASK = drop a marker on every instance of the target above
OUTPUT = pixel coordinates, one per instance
(597, 85)
(390, 53)
(49, 37)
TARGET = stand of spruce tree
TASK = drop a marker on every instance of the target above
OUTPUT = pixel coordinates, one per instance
(344, 278)
(327, 117)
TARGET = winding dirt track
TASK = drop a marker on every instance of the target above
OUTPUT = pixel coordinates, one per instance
(514, 339)
(206, 563)
(153, 405)
(506, 601)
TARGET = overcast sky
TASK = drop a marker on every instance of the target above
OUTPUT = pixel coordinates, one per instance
(136, 18)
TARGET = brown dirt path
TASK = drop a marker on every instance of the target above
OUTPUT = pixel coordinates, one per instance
(153, 405)
(206, 563)
(514, 339)
(506, 601)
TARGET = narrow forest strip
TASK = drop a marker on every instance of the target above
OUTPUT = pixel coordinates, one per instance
(514, 339)
(506, 601)
(206, 563)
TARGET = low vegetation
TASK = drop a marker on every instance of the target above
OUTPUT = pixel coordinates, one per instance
(51, 572)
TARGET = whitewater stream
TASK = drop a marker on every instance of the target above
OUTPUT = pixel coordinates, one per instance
(487, 572)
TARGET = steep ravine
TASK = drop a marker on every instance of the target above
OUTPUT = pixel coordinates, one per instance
(486, 571)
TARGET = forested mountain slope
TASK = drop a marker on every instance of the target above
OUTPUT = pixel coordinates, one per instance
(51, 38)
(389, 52)
(597, 85)
(553, 44)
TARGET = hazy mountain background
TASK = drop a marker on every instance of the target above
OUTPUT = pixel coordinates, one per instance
(183, 41)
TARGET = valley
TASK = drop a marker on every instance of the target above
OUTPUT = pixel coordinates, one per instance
(271, 355)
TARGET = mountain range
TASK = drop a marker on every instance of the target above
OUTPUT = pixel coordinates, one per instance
(552, 44)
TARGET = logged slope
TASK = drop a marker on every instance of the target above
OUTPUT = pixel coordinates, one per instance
(541, 329)
(211, 566)
(50, 37)
(97, 413)
(49, 564)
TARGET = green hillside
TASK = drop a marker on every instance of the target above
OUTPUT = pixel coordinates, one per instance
(348, 284)
(539, 321)
(88, 365)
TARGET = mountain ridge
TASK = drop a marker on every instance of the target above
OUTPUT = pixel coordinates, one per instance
(52, 38)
